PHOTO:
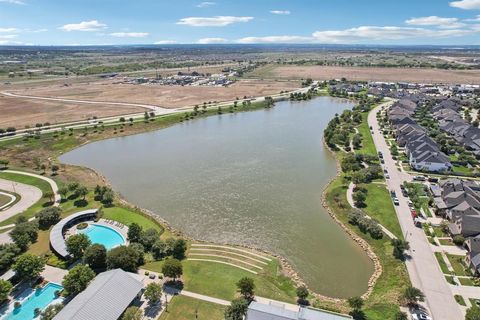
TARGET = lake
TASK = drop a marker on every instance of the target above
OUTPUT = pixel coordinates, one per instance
(252, 178)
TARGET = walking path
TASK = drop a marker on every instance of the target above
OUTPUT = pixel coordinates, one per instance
(50, 181)
(422, 265)
(351, 186)
(8, 195)
(29, 195)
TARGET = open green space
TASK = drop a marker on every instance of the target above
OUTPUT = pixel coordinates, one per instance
(186, 308)
(379, 206)
(466, 281)
(446, 242)
(368, 146)
(39, 205)
(439, 232)
(441, 262)
(383, 302)
(127, 217)
(204, 278)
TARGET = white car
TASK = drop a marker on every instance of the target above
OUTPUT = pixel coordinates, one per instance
(420, 316)
(387, 176)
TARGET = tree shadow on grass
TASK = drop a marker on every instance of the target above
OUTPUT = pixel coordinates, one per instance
(80, 203)
(47, 204)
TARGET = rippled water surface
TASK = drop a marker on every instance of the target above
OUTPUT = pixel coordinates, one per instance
(253, 178)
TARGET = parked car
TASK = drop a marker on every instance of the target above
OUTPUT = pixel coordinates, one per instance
(393, 193)
(382, 161)
(433, 179)
(387, 176)
(410, 203)
(419, 178)
(395, 201)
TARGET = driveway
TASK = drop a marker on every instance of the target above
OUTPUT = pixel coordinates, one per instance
(422, 266)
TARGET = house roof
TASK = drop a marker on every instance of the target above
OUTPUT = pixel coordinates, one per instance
(274, 311)
(107, 296)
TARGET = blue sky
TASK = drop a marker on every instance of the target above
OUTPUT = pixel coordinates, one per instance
(86, 22)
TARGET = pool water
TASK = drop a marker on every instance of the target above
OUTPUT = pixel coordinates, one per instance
(103, 235)
(39, 298)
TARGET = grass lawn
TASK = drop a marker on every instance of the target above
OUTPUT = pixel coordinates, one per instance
(450, 280)
(39, 183)
(368, 146)
(466, 281)
(380, 207)
(446, 242)
(4, 199)
(442, 263)
(439, 232)
(462, 170)
(383, 302)
(186, 308)
(127, 217)
(205, 277)
(457, 264)
(460, 300)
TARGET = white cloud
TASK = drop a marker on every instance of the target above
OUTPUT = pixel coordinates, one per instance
(4, 30)
(129, 34)
(212, 40)
(218, 21)
(165, 42)
(275, 39)
(477, 18)
(280, 12)
(92, 25)
(205, 4)
(13, 1)
(7, 37)
(40, 30)
(466, 4)
(446, 23)
(371, 33)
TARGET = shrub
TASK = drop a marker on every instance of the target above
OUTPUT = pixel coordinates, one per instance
(458, 240)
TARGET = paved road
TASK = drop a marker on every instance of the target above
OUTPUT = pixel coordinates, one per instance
(422, 267)
(50, 181)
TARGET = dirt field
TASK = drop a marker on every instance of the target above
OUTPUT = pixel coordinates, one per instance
(19, 112)
(370, 74)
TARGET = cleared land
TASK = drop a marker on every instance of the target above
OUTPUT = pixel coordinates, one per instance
(19, 112)
(369, 74)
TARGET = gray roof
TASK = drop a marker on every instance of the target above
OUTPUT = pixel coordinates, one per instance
(261, 311)
(57, 241)
(107, 296)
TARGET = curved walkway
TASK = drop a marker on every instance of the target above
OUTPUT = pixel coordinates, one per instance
(8, 195)
(352, 204)
(50, 181)
(29, 195)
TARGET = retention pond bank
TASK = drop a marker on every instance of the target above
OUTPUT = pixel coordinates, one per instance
(253, 178)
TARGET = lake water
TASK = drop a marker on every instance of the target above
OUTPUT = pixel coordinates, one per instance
(252, 178)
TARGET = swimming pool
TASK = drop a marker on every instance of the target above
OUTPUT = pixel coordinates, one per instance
(31, 300)
(103, 235)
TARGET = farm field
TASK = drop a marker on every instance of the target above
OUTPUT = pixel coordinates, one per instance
(368, 74)
(20, 112)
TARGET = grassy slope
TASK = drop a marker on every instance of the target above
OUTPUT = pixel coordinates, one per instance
(185, 308)
(368, 146)
(380, 207)
(205, 277)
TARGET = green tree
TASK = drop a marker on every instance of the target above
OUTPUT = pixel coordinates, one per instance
(399, 248)
(96, 256)
(50, 196)
(172, 268)
(72, 187)
(63, 192)
(473, 313)
(412, 296)
(108, 197)
(237, 309)
(246, 286)
(77, 279)
(24, 233)
(132, 313)
(77, 244)
(123, 257)
(153, 293)
(302, 295)
(179, 249)
(51, 311)
(5, 289)
(28, 266)
(355, 303)
(4, 163)
(81, 191)
(148, 238)
(48, 217)
(159, 250)
(134, 232)
(8, 253)
(139, 252)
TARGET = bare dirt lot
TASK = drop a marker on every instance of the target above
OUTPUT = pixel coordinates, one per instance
(19, 112)
(370, 74)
